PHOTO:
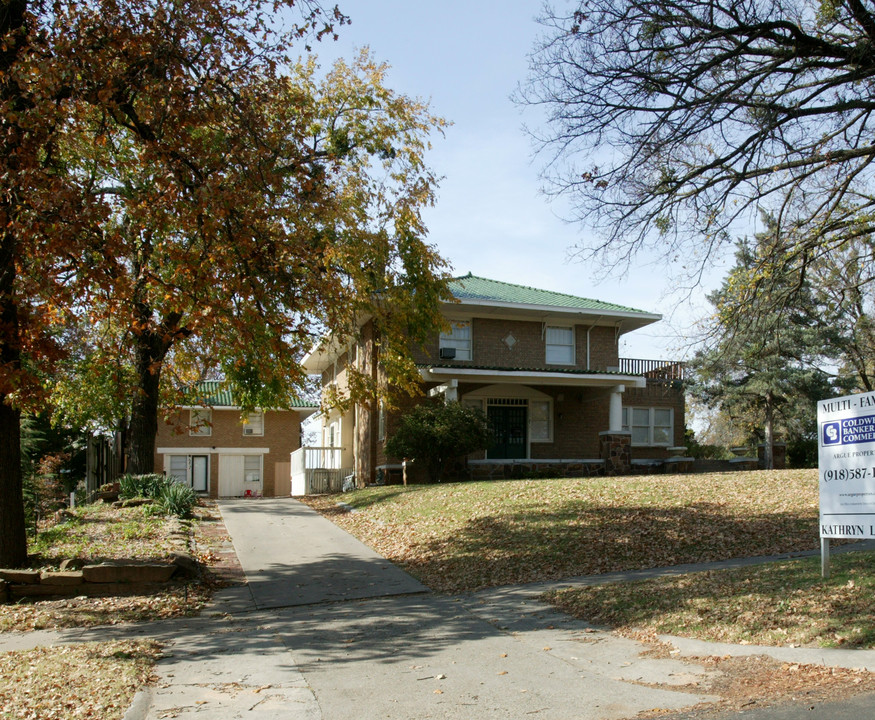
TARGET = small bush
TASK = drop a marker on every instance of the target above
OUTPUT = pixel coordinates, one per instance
(150, 485)
(436, 432)
(177, 499)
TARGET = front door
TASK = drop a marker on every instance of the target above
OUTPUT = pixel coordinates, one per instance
(200, 472)
(508, 426)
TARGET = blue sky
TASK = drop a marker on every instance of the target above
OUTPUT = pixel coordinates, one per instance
(491, 219)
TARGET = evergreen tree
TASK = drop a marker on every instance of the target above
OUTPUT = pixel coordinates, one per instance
(763, 362)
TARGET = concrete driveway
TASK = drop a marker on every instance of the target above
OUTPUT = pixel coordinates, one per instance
(293, 556)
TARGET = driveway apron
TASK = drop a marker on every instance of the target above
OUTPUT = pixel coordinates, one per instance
(293, 556)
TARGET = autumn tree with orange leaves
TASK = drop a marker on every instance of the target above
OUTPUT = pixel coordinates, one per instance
(172, 175)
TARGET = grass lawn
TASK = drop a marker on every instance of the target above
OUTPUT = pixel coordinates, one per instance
(785, 603)
(460, 537)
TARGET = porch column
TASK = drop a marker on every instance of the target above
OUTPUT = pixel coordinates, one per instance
(615, 413)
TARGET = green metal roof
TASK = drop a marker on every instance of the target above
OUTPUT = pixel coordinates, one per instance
(471, 287)
(218, 394)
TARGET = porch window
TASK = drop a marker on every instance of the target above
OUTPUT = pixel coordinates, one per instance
(560, 345)
(200, 422)
(253, 423)
(473, 404)
(540, 425)
(650, 426)
(458, 339)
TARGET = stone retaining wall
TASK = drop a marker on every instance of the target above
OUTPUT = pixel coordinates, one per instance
(117, 577)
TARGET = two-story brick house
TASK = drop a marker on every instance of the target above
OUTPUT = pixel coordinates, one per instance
(545, 369)
(219, 451)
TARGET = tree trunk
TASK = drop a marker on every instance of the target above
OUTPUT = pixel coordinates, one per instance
(768, 450)
(13, 534)
(149, 358)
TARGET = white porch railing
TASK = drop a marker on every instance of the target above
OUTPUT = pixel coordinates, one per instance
(317, 470)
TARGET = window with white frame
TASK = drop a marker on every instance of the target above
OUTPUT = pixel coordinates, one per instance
(381, 422)
(178, 468)
(649, 425)
(253, 423)
(560, 345)
(540, 421)
(200, 422)
(458, 339)
(252, 468)
(473, 404)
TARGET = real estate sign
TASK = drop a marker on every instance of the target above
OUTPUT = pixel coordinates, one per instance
(846, 448)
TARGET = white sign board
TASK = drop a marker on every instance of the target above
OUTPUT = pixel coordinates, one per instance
(846, 454)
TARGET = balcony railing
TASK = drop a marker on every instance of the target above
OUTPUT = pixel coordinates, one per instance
(665, 371)
(317, 470)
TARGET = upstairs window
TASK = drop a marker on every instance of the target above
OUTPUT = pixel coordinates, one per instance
(560, 345)
(200, 422)
(456, 342)
(253, 423)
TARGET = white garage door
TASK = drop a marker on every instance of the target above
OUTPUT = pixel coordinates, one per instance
(231, 475)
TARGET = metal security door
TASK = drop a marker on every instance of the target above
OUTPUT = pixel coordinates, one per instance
(508, 426)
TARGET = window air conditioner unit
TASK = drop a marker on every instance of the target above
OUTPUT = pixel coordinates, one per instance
(248, 431)
(448, 353)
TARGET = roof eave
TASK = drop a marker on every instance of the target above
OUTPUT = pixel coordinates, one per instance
(631, 319)
(540, 377)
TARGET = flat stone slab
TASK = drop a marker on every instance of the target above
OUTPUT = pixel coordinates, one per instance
(71, 577)
(31, 577)
(123, 572)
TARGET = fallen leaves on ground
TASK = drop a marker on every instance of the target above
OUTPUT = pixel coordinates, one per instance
(459, 537)
(748, 683)
(89, 680)
(784, 603)
(177, 601)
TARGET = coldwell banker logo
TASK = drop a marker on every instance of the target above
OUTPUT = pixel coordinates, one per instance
(849, 431)
(832, 433)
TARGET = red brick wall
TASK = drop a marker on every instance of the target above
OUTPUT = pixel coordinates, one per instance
(529, 351)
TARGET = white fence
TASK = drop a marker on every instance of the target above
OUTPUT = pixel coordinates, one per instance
(317, 470)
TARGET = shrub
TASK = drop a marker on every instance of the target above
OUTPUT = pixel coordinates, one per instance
(177, 499)
(437, 432)
(149, 485)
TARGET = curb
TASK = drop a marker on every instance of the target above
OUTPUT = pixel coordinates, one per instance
(141, 703)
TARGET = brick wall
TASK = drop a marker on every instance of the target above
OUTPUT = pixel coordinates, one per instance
(529, 350)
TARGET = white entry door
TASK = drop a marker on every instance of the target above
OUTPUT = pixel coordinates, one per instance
(200, 472)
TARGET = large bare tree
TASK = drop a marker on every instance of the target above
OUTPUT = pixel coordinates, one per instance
(672, 123)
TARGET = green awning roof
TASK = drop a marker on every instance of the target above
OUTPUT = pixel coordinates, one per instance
(218, 394)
